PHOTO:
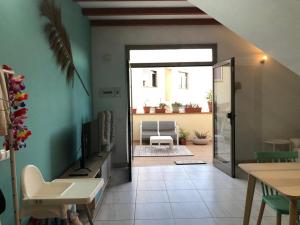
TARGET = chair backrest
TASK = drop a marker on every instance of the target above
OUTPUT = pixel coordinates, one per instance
(149, 125)
(274, 157)
(31, 180)
(286, 156)
(295, 142)
(167, 125)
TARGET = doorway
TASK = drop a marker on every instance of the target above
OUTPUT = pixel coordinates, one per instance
(146, 68)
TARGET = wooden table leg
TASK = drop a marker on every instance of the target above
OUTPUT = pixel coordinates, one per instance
(293, 211)
(88, 213)
(249, 199)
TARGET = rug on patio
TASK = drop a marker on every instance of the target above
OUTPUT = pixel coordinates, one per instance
(162, 150)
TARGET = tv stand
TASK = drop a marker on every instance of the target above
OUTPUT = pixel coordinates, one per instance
(82, 169)
(96, 167)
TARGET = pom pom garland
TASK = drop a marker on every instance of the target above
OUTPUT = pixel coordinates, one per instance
(18, 113)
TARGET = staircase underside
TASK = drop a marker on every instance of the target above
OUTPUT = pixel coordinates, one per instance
(272, 25)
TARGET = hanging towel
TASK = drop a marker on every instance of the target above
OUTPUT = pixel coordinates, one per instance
(4, 106)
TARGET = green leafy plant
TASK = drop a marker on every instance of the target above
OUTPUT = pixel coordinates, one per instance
(209, 96)
(162, 105)
(183, 134)
(201, 135)
(195, 106)
(176, 104)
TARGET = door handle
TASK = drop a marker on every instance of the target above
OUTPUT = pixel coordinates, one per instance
(230, 115)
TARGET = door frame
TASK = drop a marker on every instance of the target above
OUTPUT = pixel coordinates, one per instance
(128, 48)
(217, 163)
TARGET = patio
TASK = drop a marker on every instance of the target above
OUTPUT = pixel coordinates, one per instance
(201, 152)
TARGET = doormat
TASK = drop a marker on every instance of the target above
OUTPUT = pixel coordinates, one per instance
(189, 162)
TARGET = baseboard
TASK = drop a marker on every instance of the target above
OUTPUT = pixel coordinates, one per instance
(237, 162)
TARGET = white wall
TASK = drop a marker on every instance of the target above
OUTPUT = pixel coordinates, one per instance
(199, 84)
(267, 105)
(272, 25)
(150, 96)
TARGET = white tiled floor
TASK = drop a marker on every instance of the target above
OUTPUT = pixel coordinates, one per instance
(179, 195)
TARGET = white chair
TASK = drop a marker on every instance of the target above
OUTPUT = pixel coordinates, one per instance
(295, 145)
(32, 185)
(43, 200)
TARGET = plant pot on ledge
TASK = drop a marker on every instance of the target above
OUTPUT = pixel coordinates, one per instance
(147, 109)
(176, 107)
(210, 106)
(134, 111)
(159, 110)
(193, 110)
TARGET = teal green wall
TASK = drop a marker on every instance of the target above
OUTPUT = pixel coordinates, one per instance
(55, 110)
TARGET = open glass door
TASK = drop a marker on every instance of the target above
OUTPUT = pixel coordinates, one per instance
(130, 123)
(224, 116)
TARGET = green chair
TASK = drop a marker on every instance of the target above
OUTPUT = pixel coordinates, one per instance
(270, 196)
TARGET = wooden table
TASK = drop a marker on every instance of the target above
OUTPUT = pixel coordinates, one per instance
(283, 177)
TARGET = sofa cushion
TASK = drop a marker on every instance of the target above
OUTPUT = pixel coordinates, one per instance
(168, 133)
(149, 126)
(148, 134)
(166, 125)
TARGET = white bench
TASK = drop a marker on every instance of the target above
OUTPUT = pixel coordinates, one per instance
(161, 140)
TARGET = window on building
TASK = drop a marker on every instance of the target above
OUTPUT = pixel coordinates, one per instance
(150, 78)
(183, 80)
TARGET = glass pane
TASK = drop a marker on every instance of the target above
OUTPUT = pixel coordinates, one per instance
(171, 55)
(169, 82)
(222, 106)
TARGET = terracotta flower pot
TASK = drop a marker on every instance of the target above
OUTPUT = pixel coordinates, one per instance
(134, 111)
(210, 106)
(146, 109)
(193, 110)
(182, 141)
(159, 110)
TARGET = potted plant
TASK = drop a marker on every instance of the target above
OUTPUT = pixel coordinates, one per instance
(183, 135)
(209, 98)
(176, 106)
(146, 109)
(133, 110)
(201, 138)
(193, 108)
(161, 108)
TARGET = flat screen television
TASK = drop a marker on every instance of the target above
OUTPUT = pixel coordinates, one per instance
(89, 141)
(85, 144)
